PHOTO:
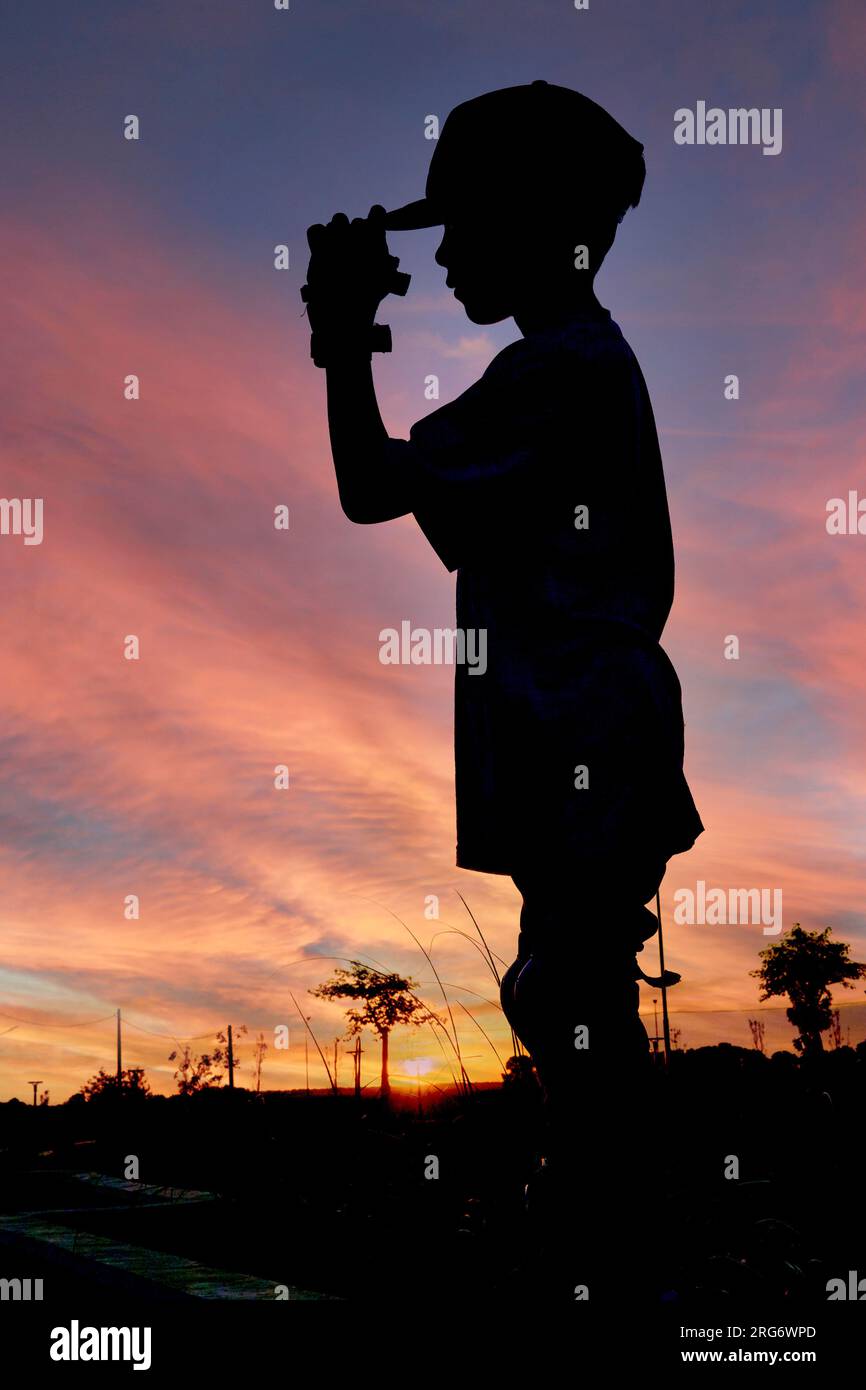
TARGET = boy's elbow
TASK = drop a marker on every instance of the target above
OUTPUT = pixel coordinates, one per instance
(359, 512)
(365, 517)
(376, 489)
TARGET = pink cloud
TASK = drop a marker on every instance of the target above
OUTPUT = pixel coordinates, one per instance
(260, 647)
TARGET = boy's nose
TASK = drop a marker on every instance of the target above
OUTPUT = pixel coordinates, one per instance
(441, 256)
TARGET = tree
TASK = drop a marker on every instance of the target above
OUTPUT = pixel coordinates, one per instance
(134, 1085)
(836, 1029)
(520, 1073)
(201, 1073)
(386, 1001)
(803, 965)
(757, 1029)
(260, 1048)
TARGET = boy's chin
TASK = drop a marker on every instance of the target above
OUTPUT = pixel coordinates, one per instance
(480, 313)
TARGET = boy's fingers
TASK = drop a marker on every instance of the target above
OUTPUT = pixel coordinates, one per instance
(375, 225)
(340, 224)
(368, 235)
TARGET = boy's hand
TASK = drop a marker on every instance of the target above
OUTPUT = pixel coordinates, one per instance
(350, 273)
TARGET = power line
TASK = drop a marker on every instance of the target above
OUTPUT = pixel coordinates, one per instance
(170, 1037)
(85, 1023)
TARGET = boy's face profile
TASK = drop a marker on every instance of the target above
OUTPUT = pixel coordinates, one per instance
(499, 266)
(481, 267)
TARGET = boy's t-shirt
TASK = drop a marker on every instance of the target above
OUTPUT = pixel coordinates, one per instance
(542, 485)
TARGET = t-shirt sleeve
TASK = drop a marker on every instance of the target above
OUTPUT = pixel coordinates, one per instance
(489, 465)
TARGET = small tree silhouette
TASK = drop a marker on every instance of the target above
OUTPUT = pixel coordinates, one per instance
(194, 1074)
(803, 965)
(520, 1073)
(134, 1085)
(259, 1049)
(757, 1029)
(386, 1002)
(836, 1029)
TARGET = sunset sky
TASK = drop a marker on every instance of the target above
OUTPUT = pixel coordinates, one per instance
(260, 647)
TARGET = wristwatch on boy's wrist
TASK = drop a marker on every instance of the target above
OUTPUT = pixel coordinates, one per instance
(329, 346)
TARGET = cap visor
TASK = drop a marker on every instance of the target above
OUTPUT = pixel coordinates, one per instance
(413, 216)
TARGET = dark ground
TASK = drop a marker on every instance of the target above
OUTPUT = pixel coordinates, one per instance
(330, 1194)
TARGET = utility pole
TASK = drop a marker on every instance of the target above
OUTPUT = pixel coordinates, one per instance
(355, 1054)
(336, 1046)
(666, 1026)
(307, 1055)
(656, 1039)
(231, 1061)
(119, 1056)
(34, 1084)
(260, 1050)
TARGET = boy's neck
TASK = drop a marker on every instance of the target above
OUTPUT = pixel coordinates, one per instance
(556, 309)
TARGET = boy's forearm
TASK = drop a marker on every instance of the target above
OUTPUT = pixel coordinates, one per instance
(373, 471)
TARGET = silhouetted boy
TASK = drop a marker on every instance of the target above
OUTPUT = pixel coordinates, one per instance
(542, 486)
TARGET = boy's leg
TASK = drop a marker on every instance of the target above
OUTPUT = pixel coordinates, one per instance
(572, 998)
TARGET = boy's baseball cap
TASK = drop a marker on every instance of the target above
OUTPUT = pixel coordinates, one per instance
(538, 146)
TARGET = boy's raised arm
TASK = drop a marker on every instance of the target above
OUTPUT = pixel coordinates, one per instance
(350, 272)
